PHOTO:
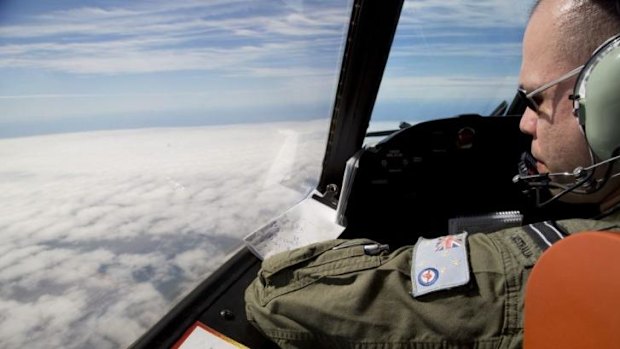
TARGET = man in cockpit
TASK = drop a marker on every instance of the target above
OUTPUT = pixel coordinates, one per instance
(467, 290)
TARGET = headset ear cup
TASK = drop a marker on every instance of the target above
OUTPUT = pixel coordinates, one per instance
(597, 93)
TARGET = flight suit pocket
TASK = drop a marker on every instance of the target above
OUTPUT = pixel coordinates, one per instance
(293, 270)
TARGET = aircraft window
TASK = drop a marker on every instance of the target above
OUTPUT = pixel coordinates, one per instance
(450, 58)
(140, 141)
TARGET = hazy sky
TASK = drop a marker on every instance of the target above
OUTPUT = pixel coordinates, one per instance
(81, 65)
(109, 64)
(452, 57)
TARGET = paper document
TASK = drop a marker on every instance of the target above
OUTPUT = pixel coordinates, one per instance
(200, 336)
(307, 222)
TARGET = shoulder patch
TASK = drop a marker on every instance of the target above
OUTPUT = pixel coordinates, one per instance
(439, 264)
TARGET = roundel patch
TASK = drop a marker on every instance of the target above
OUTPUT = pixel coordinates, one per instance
(428, 276)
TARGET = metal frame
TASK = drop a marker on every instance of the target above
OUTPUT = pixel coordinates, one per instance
(371, 32)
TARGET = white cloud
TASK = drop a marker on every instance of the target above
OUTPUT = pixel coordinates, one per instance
(409, 88)
(468, 13)
(461, 50)
(103, 232)
(294, 91)
(134, 56)
(169, 37)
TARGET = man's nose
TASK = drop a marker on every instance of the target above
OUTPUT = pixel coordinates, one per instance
(528, 121)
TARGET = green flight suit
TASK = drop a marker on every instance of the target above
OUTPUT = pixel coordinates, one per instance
(335, 295)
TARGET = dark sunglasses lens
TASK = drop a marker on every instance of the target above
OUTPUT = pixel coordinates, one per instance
(529, 102)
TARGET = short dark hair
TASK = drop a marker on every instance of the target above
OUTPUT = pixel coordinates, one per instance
(586, 26)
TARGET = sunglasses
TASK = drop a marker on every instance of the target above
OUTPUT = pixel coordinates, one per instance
(529, 97)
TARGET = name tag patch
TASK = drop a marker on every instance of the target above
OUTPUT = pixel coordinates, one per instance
(439, 264)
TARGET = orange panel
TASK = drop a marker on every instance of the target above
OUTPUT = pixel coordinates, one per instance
(572, 298)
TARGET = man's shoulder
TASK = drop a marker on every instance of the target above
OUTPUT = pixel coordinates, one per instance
(576, 225)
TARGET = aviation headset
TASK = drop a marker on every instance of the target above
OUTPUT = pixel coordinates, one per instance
(596, 99)
(596, 103)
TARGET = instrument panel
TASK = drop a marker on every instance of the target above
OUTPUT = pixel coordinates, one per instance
(411, 183)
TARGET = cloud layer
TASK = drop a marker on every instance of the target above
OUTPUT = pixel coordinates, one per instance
(103, 232)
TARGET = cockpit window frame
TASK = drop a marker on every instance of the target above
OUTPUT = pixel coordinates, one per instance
(369, 40)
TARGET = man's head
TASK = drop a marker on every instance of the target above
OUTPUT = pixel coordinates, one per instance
(561, 35)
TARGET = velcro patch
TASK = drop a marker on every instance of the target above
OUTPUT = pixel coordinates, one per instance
(439, 264)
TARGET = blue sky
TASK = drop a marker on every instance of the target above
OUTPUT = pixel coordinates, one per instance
(83, 65)
(452, 57)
